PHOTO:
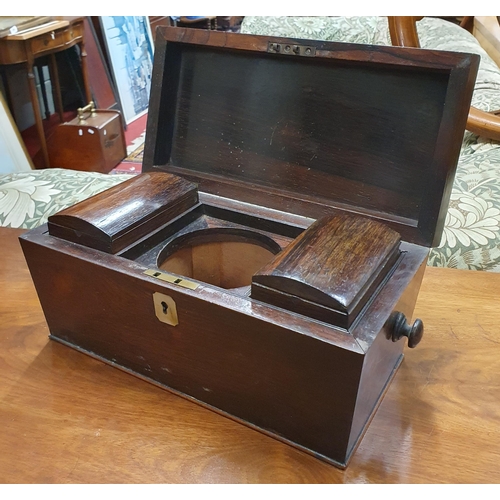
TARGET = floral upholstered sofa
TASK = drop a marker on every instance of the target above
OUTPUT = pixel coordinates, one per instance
(471, 238)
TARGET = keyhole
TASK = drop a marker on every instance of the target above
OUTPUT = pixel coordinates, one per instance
(165, 309)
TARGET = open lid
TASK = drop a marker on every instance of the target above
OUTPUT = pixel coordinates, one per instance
(308, 126)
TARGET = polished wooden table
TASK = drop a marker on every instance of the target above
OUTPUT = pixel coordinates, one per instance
(47, 39)
(68, 418)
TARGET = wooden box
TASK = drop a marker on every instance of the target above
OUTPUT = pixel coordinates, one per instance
(267, 261)
(94, 141)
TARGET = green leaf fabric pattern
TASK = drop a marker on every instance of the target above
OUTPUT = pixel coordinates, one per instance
(27, 199)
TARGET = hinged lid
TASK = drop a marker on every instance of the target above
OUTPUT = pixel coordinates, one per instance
(371, 130)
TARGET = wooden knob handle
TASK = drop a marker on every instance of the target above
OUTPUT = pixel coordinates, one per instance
(401, 328)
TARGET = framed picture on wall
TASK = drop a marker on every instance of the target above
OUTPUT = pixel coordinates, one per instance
(129, 46)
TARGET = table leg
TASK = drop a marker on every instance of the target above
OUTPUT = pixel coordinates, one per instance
(56, 91)
(86, 84)
(36, 110)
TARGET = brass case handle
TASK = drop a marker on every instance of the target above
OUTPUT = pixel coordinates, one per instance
(89, 108)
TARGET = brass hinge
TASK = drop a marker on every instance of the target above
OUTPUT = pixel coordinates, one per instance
(291, 49)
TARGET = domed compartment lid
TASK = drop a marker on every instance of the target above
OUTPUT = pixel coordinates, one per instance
(331, 270)
(121, 215)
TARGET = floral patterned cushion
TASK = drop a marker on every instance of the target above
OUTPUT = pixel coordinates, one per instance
(471, 237)
(27, 199)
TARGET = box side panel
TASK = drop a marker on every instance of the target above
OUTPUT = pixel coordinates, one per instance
(113, 143)
(294, 386)
(381, 361)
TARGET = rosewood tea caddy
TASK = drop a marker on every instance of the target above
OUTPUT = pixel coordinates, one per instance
(267, 262)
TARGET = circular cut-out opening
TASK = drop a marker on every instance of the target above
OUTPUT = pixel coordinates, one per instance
(227, 259)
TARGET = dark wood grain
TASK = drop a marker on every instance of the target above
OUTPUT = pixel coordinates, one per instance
(217, 354)
(331, 270)
(69, 418)
(121, 215)
(369, 128)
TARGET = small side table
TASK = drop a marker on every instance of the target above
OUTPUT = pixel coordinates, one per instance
(47, 39)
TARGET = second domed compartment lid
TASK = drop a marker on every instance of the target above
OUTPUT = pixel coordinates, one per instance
(331, 270)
